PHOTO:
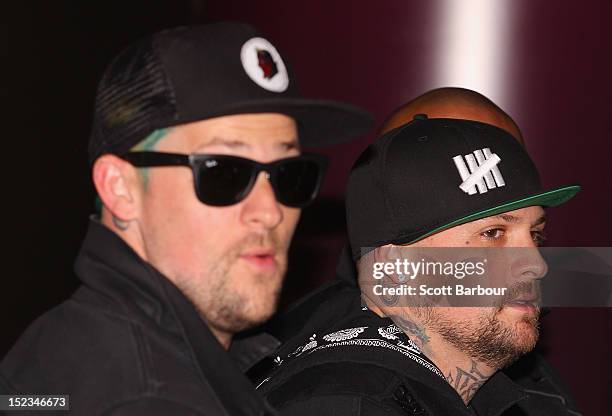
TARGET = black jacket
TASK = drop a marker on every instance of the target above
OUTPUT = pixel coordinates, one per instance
(371, 373)
(129, 343)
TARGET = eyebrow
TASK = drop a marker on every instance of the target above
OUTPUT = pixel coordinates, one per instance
(240, 144)
(540, 220)
(231, 143)
(508, 218)
(514, 220)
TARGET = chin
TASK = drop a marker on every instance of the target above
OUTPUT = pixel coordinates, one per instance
(261, 316)
(247, 319)
(255, 309)
(527, 335)
(524, 324)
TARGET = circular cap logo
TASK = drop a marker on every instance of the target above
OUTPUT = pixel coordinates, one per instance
(264, 65)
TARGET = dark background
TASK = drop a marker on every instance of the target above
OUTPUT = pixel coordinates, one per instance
(374, 54)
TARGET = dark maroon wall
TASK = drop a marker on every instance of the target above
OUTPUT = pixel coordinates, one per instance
(563, 82)
(374, 54)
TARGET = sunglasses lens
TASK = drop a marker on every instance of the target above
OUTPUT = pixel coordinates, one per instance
(224, 181)
(297, 182)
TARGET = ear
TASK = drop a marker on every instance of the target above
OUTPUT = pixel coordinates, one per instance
(384, 254)
(118, 186)
(389, 254)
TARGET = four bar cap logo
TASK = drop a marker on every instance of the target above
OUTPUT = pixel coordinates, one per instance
(481, 172)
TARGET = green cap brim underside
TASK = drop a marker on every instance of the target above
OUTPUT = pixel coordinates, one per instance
(550, 198)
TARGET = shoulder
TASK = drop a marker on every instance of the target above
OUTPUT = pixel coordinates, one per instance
(342, 388)
(68, 337)
(361, 364)
(545, 389)
(151, 406)
(98, 358)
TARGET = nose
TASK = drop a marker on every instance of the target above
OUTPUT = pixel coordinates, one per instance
(260, 208)
(528, 263)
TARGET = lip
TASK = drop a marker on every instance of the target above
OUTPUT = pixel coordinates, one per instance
(527, 306)
(531, 299)
(261, 260)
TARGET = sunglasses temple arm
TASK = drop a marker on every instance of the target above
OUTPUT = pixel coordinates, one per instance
(149, 159)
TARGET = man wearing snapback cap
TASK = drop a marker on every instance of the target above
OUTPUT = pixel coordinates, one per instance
(531, 372)
(196, 158)
(409, 189)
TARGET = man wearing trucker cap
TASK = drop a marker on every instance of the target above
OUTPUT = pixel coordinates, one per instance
(195, 155)
(410, 189)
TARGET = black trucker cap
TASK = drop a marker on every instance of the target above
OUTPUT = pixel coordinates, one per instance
(433, 174)
(194, 73)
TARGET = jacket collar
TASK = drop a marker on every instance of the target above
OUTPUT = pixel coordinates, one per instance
(108, 266)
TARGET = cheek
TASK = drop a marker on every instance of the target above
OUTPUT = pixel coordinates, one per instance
(286, 228)
(170, 200)
(183, 233)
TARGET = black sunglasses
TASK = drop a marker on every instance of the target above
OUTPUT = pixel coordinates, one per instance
(222, 180)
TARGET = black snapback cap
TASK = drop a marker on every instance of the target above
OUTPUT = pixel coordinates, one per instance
(194, 73)
(433, 174)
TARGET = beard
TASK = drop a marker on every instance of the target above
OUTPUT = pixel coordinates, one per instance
(216, 292)
(485, 338)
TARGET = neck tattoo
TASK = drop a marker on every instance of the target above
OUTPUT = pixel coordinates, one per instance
(466, 382)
